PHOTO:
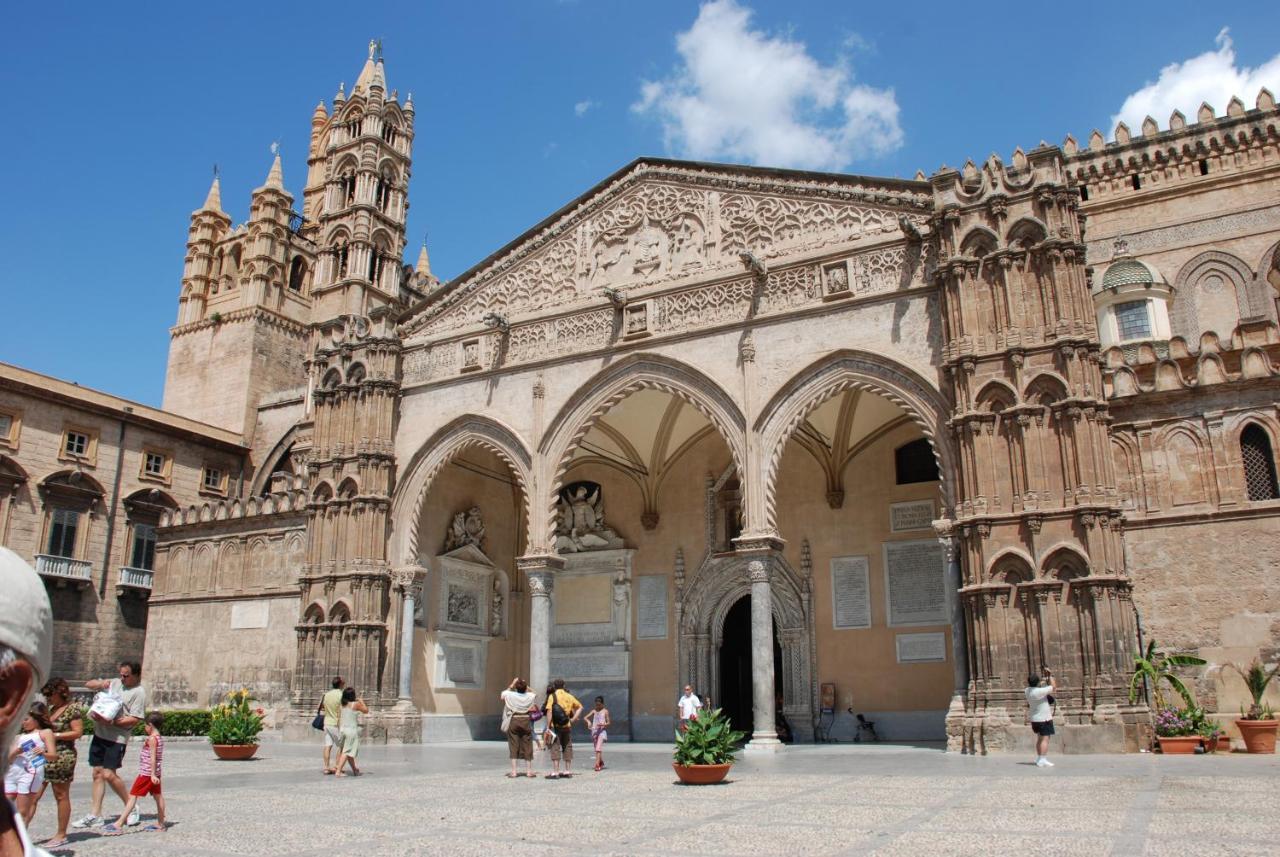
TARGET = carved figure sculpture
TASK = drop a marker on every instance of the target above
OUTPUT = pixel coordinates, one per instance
(467, 529)
(621, 606)
(581, 525)
(495, 609)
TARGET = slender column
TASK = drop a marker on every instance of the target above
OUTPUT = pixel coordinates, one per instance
(540, 572)
(764, 736)
(411, 588)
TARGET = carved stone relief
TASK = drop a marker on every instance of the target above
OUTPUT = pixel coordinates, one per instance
(581, 525)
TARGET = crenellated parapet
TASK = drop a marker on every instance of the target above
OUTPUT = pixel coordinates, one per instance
(1251, 353)
(292, 500)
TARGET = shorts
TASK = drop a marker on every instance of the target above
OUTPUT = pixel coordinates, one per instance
(333, 737)
(20, 780)
(106, 754)
(598, 739)
(142, 786)
(1043, 727)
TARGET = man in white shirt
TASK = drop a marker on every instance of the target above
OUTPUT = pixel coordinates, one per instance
(1040, 702)
(687, 707)
(110, 740)
(26, 650)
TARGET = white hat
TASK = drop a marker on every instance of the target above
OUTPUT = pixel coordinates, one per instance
(26, 620)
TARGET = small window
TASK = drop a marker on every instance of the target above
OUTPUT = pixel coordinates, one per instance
(6, 426)
(76, 444)
(1137, 183)
(153, 464)
(144, 547)
(10, 424)
(63, 524)
(915, 462)
(1133, 320)
(212, 480)
(1204, 167)
(1259, 464)
(1084, 193)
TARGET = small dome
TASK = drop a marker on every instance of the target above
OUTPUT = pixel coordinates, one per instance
(1128, 272)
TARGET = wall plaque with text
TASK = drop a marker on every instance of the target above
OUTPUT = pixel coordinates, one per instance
(913, 515)
(915, 577)
(850, 592)
(921, 648)
(651, 606)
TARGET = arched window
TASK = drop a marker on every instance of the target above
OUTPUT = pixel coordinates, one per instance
(1259, 464)
(915, 462)
(297, 273)
(347, 191)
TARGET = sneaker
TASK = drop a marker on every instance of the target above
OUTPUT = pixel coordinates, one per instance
(1042, 762)
(133, 820)
(1047, 763)
(87, 821)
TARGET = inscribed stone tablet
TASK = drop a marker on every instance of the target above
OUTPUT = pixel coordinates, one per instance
(651, 606)
(850, 594)
(915, 582)
(915, 515)
(460, 663)
(921, 648)
(249, 614)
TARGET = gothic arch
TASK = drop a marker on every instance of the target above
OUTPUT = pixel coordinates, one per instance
(1195, 275)
(430, 459)
(1064, 561)
(1011, 566)
(1269, 269)
(594, 398)
(997, 390)
(279, 455)
(835, 373)
(719, 583)
(979, 238)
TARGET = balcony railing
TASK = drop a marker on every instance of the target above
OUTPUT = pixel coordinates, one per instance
(64, 569)
(136, 578)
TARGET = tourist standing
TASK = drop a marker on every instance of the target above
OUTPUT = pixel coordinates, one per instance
(67, 717)
(687, 707)
(349, 725)
(598, 721)
(111, 739)
(148, 780)
(1040, 702)
(562, 710)
(26, 648)
(331, 708)
(517, 702)
(31, 751)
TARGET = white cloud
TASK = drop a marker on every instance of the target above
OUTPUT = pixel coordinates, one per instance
(1212, 77)
(580, 109)
(741, 94)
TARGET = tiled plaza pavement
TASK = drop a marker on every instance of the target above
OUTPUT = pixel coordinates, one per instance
(882, 799)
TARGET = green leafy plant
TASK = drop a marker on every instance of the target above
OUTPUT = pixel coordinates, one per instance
(1257, 678)
(236, 721)
(215, 317)
(709, 740)
(1156, 667)
(183, 721)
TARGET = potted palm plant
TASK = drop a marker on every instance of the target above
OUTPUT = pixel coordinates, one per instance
(1258, 725)
(704, 750)
(1176, 729)
(234, 727)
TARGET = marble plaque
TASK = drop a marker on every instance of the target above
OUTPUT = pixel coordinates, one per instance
(249, 614)
(583, 665)
(921, 648)
(915, 577)
(460, 664)
(651, 606)
(915, 515)
(850, 592)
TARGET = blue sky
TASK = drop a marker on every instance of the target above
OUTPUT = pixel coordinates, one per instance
(118, 111)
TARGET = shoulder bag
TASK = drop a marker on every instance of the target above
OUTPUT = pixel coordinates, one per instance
(317, 722)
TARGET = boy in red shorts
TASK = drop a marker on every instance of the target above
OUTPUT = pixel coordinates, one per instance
(148, 779)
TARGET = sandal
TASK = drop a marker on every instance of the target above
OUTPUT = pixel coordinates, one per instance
(55, 843)
(155, 828)
(512, 776)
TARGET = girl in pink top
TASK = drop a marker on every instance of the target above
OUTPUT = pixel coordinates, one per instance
(148, 779)
(598, 719)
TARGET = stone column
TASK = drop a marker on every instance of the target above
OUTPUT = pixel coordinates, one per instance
(411, 588)
(764, 737)
(540, 572)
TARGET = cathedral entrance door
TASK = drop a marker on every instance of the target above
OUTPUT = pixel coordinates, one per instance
(735, 695)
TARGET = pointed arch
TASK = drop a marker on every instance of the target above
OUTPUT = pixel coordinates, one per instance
(849, 370)
(1064, 561)
(1011, 566)
(1026, 231)
(441, 448)
(610, 386)
(978, 242)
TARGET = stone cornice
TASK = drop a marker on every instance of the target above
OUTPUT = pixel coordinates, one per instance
(256, 313)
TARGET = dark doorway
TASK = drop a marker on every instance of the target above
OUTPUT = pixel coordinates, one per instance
(735, 666)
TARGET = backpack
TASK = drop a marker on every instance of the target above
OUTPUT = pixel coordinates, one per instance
(559, 717)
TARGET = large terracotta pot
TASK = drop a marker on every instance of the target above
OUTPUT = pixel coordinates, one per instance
(235, 752)
(701, 775)
(1259, 735)
(1186, 744)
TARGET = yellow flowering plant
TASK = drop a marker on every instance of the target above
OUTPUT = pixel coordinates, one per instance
(236, 720)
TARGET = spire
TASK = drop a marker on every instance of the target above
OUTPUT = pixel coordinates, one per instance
(371, 74)
(423, 268)
(275, 177)
(213, 202)
(320, 114)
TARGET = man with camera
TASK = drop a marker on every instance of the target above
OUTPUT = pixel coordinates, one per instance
(1040, 701)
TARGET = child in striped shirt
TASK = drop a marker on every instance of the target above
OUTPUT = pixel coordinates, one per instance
(148, 780)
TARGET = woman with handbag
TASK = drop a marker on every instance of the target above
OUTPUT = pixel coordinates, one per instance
(517, 702)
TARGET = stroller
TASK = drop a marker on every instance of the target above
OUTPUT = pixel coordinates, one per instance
(866, 728)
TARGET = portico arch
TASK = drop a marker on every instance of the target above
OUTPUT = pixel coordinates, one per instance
(441, 448)
(594, 399)
(835, 373)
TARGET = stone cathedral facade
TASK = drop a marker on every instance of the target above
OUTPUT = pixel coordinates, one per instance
(820, 445)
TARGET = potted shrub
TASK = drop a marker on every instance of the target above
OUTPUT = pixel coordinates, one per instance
(1176, 731)
(1258, 725)
(1157, 668)
(704, 750)
(234, 727)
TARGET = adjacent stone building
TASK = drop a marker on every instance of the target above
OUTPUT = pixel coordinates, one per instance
(820, 445)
